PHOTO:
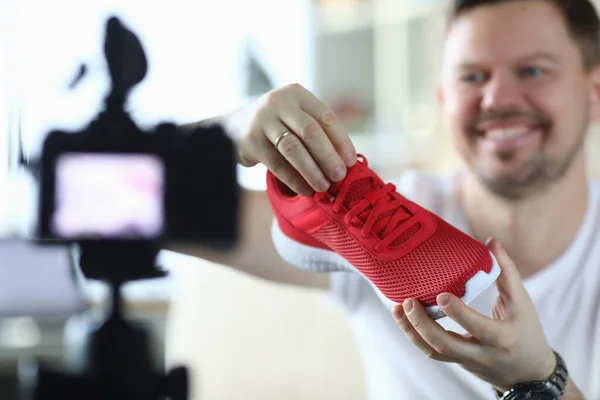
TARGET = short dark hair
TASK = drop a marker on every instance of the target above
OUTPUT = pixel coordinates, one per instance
(580, 17)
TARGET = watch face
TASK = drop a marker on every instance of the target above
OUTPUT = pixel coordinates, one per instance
(540, 396)
(530, 396)
(534, 391)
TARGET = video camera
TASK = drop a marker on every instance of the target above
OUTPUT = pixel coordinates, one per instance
(120, 194)
(115, 182)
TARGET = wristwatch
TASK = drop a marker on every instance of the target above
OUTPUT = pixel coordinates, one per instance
(552, 388)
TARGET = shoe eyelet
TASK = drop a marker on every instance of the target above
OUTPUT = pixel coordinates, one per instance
(325, 197)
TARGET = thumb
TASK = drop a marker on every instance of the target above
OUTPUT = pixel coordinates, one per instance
(509, 282)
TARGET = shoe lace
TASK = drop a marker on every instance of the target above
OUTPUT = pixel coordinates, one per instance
(369, 203)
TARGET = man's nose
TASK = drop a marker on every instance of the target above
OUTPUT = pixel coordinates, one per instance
(503, 91)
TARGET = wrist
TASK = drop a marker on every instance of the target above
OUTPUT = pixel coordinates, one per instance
(551, 386)
(544, 372)
(548, 367)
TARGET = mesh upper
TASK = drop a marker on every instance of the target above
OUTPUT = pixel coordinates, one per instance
(443, 263)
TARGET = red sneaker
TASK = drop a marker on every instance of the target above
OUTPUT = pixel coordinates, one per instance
(362, 224)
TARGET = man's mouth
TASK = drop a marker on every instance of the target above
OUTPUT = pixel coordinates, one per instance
(507, 133)
(503, 136)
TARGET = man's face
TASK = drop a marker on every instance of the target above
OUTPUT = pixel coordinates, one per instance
(515, 94)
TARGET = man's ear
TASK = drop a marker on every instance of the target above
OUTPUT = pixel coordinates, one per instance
(594, 111)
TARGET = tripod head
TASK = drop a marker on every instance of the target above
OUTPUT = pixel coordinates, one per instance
(120, 194)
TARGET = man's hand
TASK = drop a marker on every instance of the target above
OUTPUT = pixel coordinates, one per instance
(503, 350)
(316, 148)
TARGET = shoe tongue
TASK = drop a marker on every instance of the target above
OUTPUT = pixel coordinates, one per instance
(357, 191)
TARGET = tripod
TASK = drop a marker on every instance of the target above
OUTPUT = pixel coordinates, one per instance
(118, 361)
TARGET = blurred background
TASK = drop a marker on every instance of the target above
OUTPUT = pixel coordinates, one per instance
(375, 62)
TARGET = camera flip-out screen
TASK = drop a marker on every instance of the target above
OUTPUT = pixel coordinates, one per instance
(109, 196)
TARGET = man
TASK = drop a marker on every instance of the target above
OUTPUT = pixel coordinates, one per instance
(520, 87)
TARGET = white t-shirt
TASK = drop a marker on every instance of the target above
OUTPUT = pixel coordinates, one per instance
(566, 295)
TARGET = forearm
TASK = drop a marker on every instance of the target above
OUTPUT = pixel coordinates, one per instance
(572, 392)
(254, 248)
(255, 253)
(218, 120)
(233, 122)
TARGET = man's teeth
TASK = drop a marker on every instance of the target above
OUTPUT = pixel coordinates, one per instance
(509, 133)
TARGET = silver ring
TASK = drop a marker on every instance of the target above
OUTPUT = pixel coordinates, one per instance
(281, 136)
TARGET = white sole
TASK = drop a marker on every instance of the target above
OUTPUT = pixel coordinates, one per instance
(320, 260)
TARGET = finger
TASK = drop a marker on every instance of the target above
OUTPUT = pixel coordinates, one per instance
(316, 141)
(282, 169)
(437, 337)
(415, 338)
(509, 282)
(337, 133)
(484, 329)
(292, 149)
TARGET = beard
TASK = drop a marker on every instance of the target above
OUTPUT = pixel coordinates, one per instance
(539, 172)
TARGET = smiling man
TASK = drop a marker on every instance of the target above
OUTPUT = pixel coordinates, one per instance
(520, 88)
(518, 96)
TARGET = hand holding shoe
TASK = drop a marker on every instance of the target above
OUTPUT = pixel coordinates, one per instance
(296, 136)
(504, 350)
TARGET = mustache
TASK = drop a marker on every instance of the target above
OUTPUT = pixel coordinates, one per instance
(508, 114)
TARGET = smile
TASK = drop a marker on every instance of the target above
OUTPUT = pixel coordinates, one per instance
(507, 133)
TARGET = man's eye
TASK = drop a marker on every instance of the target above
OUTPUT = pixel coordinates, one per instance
(475, 77)
(531, 72)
